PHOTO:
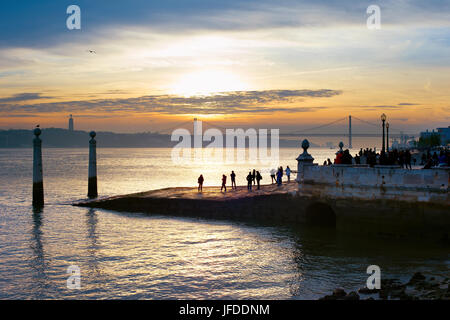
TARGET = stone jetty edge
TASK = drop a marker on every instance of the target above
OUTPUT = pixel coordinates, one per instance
(287, 204)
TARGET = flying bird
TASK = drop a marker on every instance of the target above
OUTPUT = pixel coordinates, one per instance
(91, 51)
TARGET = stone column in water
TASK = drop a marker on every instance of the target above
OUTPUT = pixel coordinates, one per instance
(38, 183)
(92, 183)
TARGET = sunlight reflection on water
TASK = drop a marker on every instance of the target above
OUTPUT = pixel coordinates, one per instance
(134, 256)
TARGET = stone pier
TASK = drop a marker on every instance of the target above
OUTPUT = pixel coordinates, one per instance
(383, 200)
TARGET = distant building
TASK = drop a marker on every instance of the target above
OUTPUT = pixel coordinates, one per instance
(70, 123)
(427, 134)
(445, 134)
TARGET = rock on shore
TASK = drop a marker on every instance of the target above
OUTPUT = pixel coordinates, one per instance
(419, 287)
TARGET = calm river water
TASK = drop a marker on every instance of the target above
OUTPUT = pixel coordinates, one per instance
(134, 256)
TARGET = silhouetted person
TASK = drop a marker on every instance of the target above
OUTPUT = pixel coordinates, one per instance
(224, 183)
(442, 159)
(338, 159)
(435, 159)
(200, 183)
(272, 175)
(288, 173)
(249, 181)
(279, 176)
(329, 162)
(423, 159)
(233, 180)
(407, 155)
(429, 164)
(401, 159)
(258, 179)
(346, 157)
(254, 176)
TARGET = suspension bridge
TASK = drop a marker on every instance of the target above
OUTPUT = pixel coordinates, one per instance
(318, 131)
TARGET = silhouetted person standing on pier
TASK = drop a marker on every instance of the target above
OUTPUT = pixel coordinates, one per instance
(249, 181)
(435, 159)
(272, 175)
(233, 180)
(288, 173)
(338, 159)
(254, 176)
(429, 164)
(346, 157)
(423, 159)
(408, 159)
(442, 158)
(279, 176)
(200, 183)
(258, 178)
(401, 159)
(224, 183)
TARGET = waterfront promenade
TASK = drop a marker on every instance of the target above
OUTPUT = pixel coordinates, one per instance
(381, 200)
(211, 203)
(376, 209)
(211, 193)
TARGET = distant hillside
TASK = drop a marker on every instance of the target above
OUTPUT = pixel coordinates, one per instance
(63, 138)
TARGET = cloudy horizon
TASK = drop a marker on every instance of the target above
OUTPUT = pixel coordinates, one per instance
(289, 64)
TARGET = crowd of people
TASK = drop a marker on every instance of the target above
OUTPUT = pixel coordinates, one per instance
(371, 157)
(439, 158)
(253, 179)
(402, 158)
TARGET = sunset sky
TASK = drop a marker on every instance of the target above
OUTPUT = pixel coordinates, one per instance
(259, 63)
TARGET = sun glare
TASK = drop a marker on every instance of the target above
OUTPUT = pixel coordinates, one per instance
(207, 82)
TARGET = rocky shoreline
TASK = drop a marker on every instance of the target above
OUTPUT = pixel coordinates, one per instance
(419, 287)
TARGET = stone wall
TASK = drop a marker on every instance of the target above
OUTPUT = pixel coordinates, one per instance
(379, 176)
(386, 200)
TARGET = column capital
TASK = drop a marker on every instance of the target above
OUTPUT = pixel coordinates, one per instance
(305, 156)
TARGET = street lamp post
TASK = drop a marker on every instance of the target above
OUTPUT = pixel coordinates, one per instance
(383, 119)
(387, 136)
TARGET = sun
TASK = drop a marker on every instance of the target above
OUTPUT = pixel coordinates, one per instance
(207, 82)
